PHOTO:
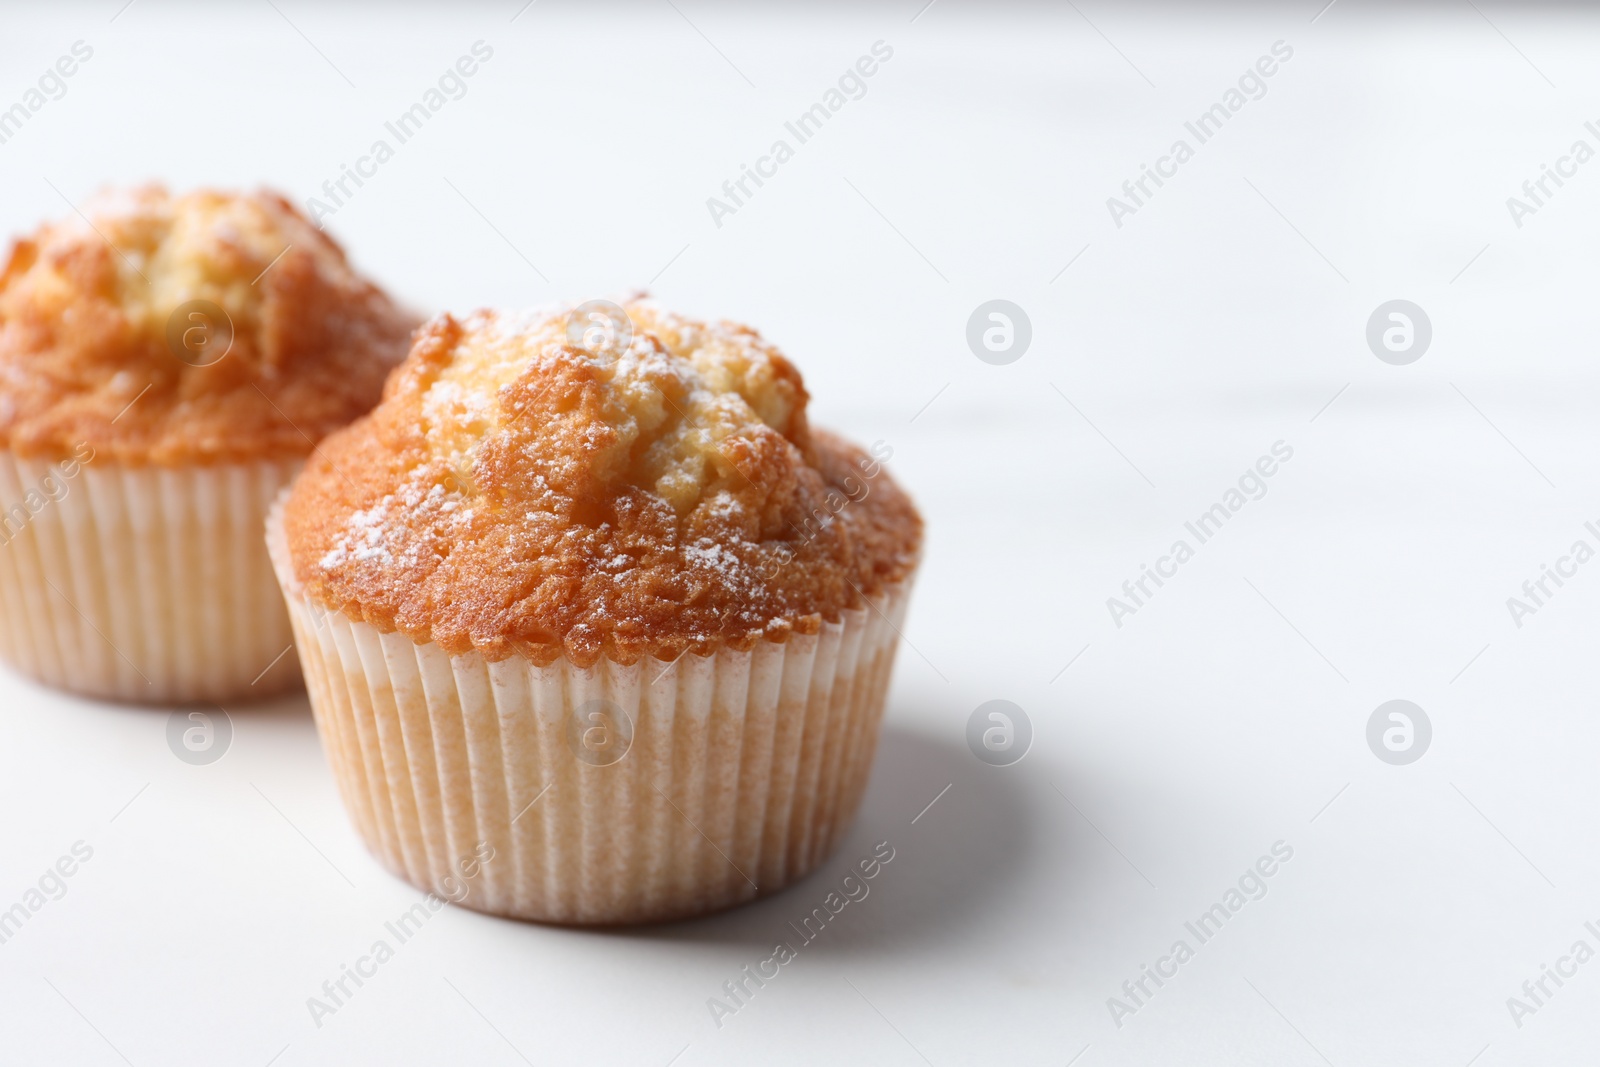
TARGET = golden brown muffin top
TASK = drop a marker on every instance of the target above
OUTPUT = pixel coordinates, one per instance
(529, 486)
(204, 328)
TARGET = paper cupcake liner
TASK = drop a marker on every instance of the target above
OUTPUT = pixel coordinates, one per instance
(142, 583)
(743, 771)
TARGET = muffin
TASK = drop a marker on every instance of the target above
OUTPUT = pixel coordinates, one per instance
(166, 365)
(587, 595)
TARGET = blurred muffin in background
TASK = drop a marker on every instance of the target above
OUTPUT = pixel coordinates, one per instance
(167, 363)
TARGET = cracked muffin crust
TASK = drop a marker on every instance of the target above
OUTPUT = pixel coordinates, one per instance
(90, 351)
(518, 493)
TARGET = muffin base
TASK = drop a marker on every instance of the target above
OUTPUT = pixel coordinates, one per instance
(743, 771)
(143, 583)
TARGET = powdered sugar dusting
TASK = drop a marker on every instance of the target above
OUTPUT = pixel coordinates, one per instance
(371, 532)
(365, 539)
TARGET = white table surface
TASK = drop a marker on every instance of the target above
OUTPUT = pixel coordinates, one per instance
(1229, 714)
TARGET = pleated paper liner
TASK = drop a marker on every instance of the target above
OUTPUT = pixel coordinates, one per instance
(608, 794)
(142, 583)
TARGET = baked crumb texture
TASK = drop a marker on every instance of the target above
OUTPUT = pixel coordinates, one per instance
(90, 308)
(522, 490)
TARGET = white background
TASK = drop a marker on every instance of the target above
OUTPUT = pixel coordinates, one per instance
(1221, 318)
